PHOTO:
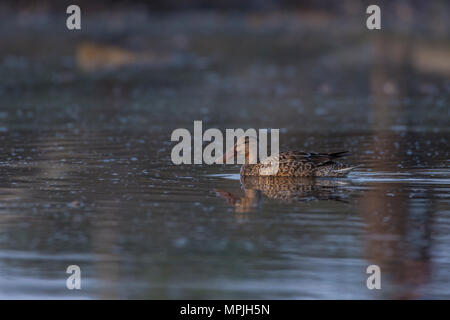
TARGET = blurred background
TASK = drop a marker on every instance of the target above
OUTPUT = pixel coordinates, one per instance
(271, 51)
(85, 171)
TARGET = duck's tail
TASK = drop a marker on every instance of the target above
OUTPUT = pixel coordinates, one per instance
(339, 154)
(342, 171)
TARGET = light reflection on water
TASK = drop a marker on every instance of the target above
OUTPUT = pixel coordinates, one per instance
(141, 228)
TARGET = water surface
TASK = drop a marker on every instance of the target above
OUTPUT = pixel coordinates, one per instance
(86, 176)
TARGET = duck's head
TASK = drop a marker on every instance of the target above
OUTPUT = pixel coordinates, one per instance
(244, 151)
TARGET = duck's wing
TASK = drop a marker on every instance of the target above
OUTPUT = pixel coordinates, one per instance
(299, 163)
(314, 158)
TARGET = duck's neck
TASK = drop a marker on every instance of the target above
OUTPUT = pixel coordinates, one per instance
(251, 158)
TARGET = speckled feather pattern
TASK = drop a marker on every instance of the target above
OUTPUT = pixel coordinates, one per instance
(301, 164)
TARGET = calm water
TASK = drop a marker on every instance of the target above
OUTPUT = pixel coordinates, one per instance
(86, 176)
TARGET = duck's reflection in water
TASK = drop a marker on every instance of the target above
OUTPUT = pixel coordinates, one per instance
(286, 189)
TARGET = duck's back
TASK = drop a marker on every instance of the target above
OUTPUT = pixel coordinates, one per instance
(299, 164)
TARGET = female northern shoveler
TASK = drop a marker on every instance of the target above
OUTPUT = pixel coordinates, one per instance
(289, 163)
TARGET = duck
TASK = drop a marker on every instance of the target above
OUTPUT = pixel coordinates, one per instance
(288, 163)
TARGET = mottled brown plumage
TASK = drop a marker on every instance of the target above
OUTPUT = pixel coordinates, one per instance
(290, 163)
(300, 164)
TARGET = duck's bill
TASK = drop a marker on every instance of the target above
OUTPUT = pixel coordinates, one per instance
(228, 155)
